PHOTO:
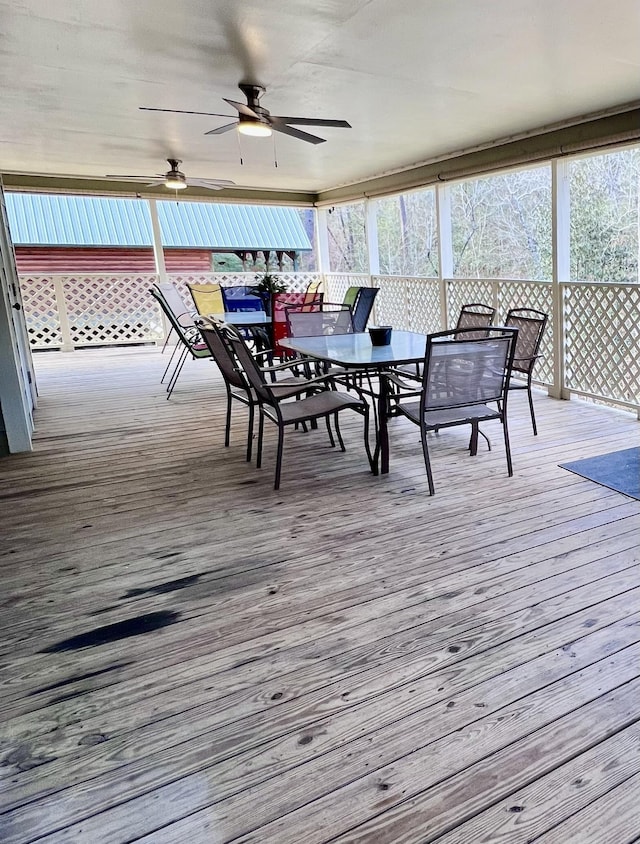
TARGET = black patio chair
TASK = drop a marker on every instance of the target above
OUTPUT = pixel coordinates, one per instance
(190, 341)
(363, 307)
(332, 319)
(184, 313)
(476, 314)
(531, 325)
(325, 404)
(236, 383)
(472, 315)
(465, 382)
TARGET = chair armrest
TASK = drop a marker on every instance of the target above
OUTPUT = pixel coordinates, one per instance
(306, 384)
(407, 389)
(277, 367)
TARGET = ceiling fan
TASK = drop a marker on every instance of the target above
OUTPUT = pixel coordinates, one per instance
(175, 179)
(254, 119)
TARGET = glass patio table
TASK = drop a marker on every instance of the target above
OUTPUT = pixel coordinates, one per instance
(355, 351)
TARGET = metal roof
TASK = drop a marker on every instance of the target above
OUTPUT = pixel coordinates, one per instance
(52, 220)
(201, 224)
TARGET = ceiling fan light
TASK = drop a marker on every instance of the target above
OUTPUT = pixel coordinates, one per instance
(254, 127)
(175, 183)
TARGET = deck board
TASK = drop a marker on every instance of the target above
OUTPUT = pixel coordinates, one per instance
(349, 659)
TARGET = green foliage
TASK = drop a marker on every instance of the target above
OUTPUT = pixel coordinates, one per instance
(408, 234)
(604, 217)
(502, 226)
(269, 283)
(347, 240)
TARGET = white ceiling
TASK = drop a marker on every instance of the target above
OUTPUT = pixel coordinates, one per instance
(415, 78)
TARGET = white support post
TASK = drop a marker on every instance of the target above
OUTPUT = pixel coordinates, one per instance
(560, 211)
(322, 244)
(445, 248)
(371, 240)
(158, 251)
(371, 235)
(158, 256)
(65, 328)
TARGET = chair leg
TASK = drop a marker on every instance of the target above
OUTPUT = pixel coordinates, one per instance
(250, 432)
(166, 340)
(533, 415)
(260, 438)
(473, 444)
(427, 462)
(373, 463)
(338, 434)
(227, 424)
(507, 446)
(164, 374)
(176, 374)
(330, 432)
(276, 484)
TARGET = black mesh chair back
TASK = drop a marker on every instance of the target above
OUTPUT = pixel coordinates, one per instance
(531, 325)
(241, 353)
(462, 370)
(363, 307)
(337, 320)
(465, 382)
(314, 400)
(222, 355)
(476, 314)
(234, 380)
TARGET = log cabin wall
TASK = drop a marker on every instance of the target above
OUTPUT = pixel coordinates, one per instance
(40, 260)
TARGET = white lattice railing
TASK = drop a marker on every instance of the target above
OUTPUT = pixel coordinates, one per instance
(601, 341)
(68, 311)
(600, 323)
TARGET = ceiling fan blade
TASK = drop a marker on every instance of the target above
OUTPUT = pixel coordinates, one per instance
(211, 184)
(221, 129)
(243, 108)
(310, 121)
(183, 111)
(156, 182)
(130, 178)
(279, 126)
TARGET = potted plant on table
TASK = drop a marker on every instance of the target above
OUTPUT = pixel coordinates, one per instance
(268, 284)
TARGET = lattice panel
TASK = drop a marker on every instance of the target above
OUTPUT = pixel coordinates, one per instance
(538, 295)
(423, 305)
(391, 302)
(602, 340)
(336, 284)
(296, 282)
(41, 311)
(464, 291)
(111, 309)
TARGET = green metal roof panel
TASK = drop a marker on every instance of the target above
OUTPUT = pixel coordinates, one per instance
(52, 220)
(205, 225)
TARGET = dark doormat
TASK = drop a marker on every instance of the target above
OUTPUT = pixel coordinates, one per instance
(619, 470)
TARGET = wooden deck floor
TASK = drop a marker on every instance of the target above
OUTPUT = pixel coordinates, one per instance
(190, 657)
